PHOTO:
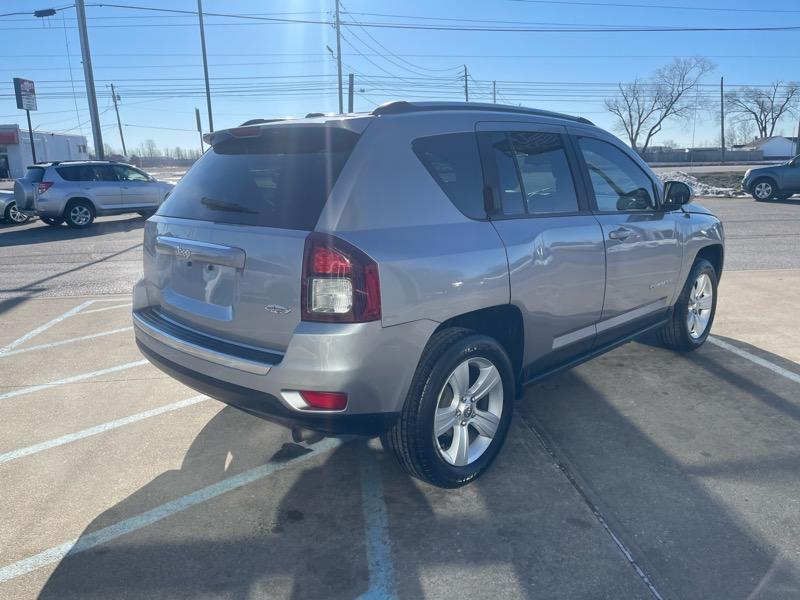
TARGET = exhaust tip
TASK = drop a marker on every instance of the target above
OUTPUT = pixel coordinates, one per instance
(305, 435)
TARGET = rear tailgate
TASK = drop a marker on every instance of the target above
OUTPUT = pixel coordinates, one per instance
(223, 255)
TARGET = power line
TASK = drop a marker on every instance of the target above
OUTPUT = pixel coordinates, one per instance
(659, 6)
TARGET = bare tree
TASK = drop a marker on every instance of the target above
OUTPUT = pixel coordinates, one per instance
(764, 107)
(642, 107)
(149, 149)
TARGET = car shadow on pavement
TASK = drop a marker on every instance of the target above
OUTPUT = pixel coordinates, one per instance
(37, 232)
(689, 461)
(521, 531)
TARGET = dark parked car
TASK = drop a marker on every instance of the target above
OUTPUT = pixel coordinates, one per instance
(776, 182)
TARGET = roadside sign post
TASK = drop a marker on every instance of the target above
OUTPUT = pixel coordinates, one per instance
(25, 92)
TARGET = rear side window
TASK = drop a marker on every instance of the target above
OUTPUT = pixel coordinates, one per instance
(34, 174)
(452, 160)
(545, 172)
(87, 173)
(280, 178)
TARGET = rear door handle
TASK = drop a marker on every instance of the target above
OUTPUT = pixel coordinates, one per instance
(619, 234)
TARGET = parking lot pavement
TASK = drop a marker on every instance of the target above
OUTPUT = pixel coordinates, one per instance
(641, 474)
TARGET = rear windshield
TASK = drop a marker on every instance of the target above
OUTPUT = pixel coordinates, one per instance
(34, 174)
(280, 179)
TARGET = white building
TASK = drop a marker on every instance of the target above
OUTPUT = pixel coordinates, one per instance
(773, 147)
(15, 149)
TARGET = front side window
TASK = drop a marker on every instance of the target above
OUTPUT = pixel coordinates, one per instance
(544, 169)
(619, 183)
(453, 162)
(129, 174)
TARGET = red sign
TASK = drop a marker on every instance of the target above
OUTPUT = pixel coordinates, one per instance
(9, 136)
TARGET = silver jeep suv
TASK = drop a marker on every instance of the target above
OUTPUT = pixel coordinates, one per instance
(76, 192)
(404, 273)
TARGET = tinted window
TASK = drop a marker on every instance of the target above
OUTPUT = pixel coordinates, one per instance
(453, 161)
(34, 174)
(87, 173)
(125, 173)
(619, 183)
(502, 152)
(546, 176)
(280, 178)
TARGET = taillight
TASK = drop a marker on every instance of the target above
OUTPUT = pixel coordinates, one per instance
(340, 282)
(43, 186)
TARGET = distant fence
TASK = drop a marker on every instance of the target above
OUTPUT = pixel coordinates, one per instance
(702, 155)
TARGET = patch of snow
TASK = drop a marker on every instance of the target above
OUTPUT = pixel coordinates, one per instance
(698, 187)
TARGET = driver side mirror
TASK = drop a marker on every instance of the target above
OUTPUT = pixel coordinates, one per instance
(676, 194)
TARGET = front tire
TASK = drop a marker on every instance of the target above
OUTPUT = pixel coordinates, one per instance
(79, 214)
(457, 412)
(694, 310)
(12, 215)
(764, 189)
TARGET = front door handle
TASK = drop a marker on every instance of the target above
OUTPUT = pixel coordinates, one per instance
(619, 234)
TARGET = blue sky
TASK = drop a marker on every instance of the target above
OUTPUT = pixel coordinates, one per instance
(261, 69)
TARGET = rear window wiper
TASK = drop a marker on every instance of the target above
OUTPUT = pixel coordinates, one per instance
(224, 206)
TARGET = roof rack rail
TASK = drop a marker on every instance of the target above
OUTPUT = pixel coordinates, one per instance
(397, 107)
(313, 115)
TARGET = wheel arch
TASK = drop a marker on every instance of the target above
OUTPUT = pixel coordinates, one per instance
(502, 322)
(715, 254)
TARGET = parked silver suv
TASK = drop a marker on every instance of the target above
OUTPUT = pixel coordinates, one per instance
(403, 273)
(76, 192)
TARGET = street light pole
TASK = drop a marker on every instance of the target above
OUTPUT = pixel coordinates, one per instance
(339, 57)
(205, 64)
(88, 74)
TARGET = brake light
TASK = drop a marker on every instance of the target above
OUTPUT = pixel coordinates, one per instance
(43, 186)
(325, 400)
(340, 283)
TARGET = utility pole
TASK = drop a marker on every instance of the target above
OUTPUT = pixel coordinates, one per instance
(339, 56)
(722, 117)
(350, 82)
(119, 123)
(466, 85)
(205, 63)
(88, 75)
(199, 129)
(494, 92)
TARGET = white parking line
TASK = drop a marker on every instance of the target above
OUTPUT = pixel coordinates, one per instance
(73, 379)
(33, 333)
(112, 532)
(97, 310)
(67, 341)
(79, 435)
(756, 359)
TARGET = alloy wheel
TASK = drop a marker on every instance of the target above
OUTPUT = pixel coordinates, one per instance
(15, 216)
(468, 411)
(80, 215)
(763, 190)
(701, 301)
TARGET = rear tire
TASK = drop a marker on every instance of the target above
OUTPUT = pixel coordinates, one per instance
(693, 313)
(13, 216)
(79, 214)
(52, 221)
(764, 189)
(463, 390)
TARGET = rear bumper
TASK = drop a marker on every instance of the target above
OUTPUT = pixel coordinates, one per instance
(267, 406)
(373, 365)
